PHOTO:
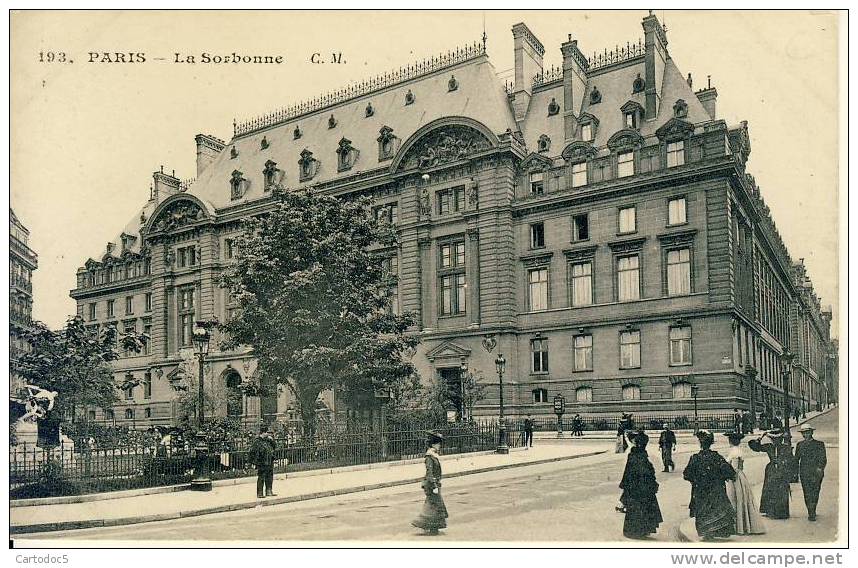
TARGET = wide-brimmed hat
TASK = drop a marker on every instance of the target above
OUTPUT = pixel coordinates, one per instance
(705, 435)
(806, 428)
(640, 438)
(434, 437)
(734, 437)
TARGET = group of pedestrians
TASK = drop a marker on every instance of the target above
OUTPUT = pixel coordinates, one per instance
(722, 500)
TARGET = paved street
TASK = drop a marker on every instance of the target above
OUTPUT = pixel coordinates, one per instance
(563, 501)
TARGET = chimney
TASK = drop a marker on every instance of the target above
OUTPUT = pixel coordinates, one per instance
(164, 185)
(574, 84)
(707, 98)
(655, 42)
(528, 64)
(208, 147)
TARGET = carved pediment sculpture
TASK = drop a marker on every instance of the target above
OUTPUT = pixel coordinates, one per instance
(444, 145)
(309, 165)
(578, 151)
(675, 128)
(625, 138)
(177, 215)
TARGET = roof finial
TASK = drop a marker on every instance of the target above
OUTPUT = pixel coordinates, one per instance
(484, 32)
(708, 81)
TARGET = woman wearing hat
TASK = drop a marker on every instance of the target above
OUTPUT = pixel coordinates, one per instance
(434, 513)
(774, 499)
(643, 515)
(714, 516)
(748, 518)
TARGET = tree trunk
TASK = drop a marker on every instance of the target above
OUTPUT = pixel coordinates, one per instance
(307, 406)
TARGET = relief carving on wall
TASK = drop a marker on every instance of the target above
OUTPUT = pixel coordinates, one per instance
(179, 214)
(444, 145)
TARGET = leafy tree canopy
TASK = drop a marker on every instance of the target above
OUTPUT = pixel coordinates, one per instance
(315, 299)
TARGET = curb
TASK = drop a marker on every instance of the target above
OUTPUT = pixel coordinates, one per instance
(96, 523)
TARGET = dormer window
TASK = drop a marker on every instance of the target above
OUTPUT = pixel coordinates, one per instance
(409, 97)
(537, 184)
(632, 115)
(233, 153)
(236, 183)
(332, 122)
(625, 164)
(369, 110)
(346, 155)
(587, 132)
(544, 143)
(296, 133)
(579, 174)
(595, 96)
(553, 107)
(387, 143)
(308, 165)
(264, 144)
(588, 124)
(631, 120)
(638, 84)
(452, 84)
(675, 153)
(680, 109)
(270, 174)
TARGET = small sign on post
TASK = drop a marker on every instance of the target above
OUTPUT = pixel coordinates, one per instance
(559, 409)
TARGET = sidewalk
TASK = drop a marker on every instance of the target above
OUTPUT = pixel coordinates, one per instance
(300, 486)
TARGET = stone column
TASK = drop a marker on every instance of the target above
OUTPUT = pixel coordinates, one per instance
(473, 276)
(425, 281)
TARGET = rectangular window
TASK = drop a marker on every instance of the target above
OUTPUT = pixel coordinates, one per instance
(453, 254)
(227, 249)
(625, 164)
(450, 200)
(192, 256)
(537, 186)
(147, 386)
(628, 278)
(80, 310)
(459, 198)
(580, 227)
(181, 258)
(386, 213)
(110, 308)
(582, 284)
(537, 235)
(675, 154)
(148, 301)
(187, 331)
(630, 349)
(680, 345)
(587, 132)
(93, 312)
(539, 351)
(186, 318)
(453, 294)
(129, 305)
(579, 174)
(583, 345)
(186, 299)
(147, 340)
(631, 120)
(676, 210)
(627, 220)
(538, 289)
(679, 272)
(129, 393)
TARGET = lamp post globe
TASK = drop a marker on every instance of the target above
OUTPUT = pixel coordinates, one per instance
(500, 365)
(202, 480)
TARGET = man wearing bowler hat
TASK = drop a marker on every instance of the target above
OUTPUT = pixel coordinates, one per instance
(810, 455)
(262, 456)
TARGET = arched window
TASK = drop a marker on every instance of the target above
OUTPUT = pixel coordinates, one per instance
(148, 413)
(234, 396)
(631, 392)
(682, 390)
(584, 394)
(129, 414)
(540, 395)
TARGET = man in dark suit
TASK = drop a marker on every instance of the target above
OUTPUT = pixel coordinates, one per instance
(262, 456)
(528, 432)
(737, 420)
(810, 455)
(667, 443)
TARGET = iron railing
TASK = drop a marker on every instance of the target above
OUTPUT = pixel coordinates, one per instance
(721, 421)
(73, 470)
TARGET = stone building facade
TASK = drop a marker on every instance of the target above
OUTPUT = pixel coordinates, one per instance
(22, 262)
(593, 223)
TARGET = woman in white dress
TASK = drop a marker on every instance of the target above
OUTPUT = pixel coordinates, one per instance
(748, 518)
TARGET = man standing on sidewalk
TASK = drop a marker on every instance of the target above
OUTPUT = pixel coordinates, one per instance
(262, 456)
(810, 455)
(667, 443)
(528, 432)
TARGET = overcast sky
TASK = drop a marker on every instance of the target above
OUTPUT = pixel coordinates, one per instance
(87, 137)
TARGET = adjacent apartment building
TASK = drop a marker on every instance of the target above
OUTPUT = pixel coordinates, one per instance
(22, 262)
(594, 223)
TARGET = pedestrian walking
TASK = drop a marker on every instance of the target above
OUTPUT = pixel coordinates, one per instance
(739, 491)
(737, 420)
(810, 455)
(434, 515)
(262, 457)
(577, 426)
(707, 470)
(621, 439)
(796, 414)
(528, 432)
(747, 422)
(643, 515)
(774, 499)
(667, 443)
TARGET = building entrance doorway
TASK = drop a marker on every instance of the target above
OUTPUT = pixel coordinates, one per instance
(454, 400)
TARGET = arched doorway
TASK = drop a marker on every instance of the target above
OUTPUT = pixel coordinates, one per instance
(234, 396)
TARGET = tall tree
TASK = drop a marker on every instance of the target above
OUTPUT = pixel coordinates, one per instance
(315, 298)
(75, 362)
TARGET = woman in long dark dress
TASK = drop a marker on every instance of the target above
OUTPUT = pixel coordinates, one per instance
(714, 516)
(639, 486)
(774, 499)
(433, 516)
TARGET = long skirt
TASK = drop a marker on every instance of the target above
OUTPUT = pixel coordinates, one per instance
(748, 518)
(714, 516)
(433, 516)
(774, 499)
(643, 515)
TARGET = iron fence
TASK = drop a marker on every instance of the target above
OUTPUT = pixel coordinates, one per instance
(721, 421)
(75, 470)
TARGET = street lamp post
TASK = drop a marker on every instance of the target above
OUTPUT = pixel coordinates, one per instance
(202, 480)
(786, 360)
(463, 376)
(502, 448)
(751, 373)
(694, 396)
